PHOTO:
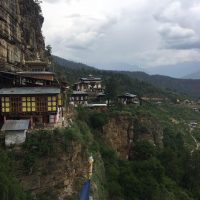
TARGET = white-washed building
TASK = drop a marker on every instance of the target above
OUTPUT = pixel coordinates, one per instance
(15, 131)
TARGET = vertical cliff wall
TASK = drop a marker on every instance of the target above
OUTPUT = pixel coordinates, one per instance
(122, 131)
(20, 32)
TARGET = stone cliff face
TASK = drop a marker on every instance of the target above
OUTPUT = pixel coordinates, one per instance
(118, 134)
(20, 32)
(121, 132)
(59, 174)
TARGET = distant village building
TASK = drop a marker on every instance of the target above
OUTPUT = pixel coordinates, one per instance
(15, 131)
(193, 124)
(157, 100)
(87, 89)
(89, 84)
(195, 109)
(128, 98)
(78, 98)
(187, 101)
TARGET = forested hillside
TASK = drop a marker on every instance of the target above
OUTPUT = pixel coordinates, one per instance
(140, 153)
(118, 82)
(184, 86)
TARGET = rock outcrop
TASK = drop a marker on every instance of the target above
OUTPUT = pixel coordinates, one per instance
(20, 32)
(122, 131)
(61, 174)
(118, 134)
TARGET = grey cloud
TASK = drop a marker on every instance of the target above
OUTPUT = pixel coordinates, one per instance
(76, 47)
(176, 28)
(86, 33)
(178, 37)
(56, 1)
(51, 1)
(146, 33)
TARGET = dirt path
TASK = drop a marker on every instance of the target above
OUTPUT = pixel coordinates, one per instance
(195, 140)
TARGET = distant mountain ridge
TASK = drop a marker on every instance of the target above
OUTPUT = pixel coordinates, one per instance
(177, 70)
(70, 64)
(185, 86)
(195, 75)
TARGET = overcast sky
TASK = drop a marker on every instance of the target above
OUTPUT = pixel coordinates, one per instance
(143, 33)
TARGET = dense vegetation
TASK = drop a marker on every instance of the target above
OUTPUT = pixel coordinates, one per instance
(9, 187)
(116, 83)
(185, 86)
(171, 172)
(153, 172)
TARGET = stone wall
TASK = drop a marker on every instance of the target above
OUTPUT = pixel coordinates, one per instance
(20, 32)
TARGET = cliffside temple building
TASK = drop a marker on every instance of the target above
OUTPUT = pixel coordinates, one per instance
(78, 98)
(87, 90)
(30, 96)
(39, 104)
(90, 84)
(37, 69)
(34, 95)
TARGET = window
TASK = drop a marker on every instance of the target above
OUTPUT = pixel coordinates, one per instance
(5, 104)
(60, 101)
(52, 103)
(28, 104)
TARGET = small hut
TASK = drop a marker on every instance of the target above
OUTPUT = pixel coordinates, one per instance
(128, 98)
(15, 131)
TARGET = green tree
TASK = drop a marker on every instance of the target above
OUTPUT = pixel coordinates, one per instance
(49, 50)
(143, 150)
(112, 88)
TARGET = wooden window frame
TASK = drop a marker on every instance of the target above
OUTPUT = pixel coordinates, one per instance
(52, 103)
(5, 104)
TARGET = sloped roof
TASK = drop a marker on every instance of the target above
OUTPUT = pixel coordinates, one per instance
(128, 95)
(33, 73)
(29, 90)
(90, 79)
(79, 93)
(15, 125)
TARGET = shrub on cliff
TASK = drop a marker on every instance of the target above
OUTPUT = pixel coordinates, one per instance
(9, 187)
(98, 120)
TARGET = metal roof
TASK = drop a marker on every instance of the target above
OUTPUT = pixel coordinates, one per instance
(29, 90)
(90, 79)
(96, 105)
(79, 92)
(33, 73)
(101, 94)
(128, 95)
(15, 125)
